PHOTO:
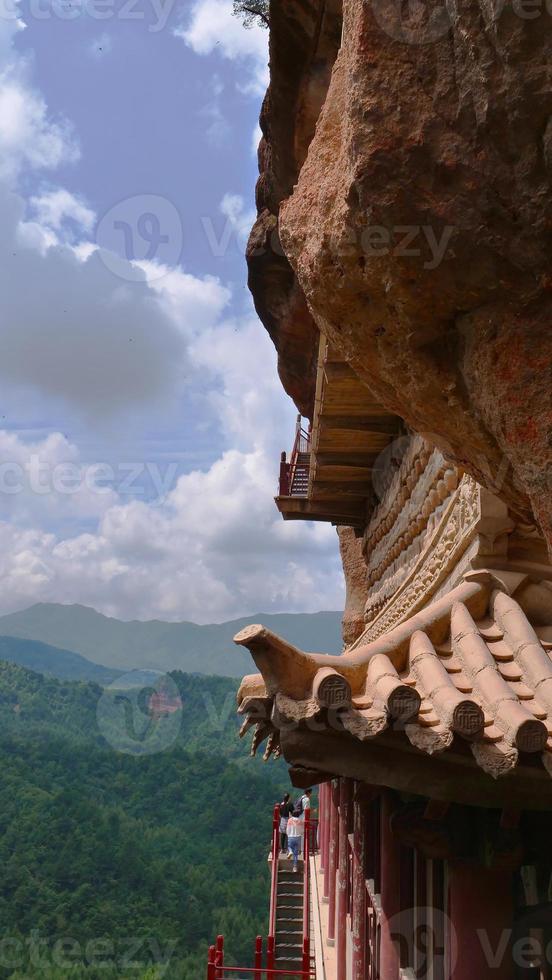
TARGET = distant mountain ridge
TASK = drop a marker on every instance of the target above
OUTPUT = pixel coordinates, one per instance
(53, 662)
(158, 645)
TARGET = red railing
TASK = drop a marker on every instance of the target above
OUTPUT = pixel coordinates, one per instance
(216, 968)
(271, 941)
(306, 895)
(294, 476)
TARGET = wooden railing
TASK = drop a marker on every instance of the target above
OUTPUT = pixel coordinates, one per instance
(294, 475)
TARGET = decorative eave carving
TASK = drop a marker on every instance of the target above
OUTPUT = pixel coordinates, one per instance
(467, 680)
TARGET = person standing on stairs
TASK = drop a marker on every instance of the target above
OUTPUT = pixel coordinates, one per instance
(285, 811)
(295, 830)
(302, 805)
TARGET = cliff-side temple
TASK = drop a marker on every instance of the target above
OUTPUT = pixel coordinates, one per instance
(400, 262)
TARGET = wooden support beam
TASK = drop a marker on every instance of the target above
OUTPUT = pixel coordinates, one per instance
(349, 441)
(340, 370)
(347, 512)
(337, 473)
(388, 425)
(348, 489)
(341, 457)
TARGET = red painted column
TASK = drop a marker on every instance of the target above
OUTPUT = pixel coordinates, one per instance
(345, 788)
(322, 824)
(481, 913)
(359, 891)
(332, 859)
(390, 892)
(327, 832)
(325, 836)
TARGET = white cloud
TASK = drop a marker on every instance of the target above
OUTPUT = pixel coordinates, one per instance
(194, 305)
(212, 28)
(213, 546)
(216, 549)
(45, 482)
(81, 334)
(240, 217)
(54, 207)
(28, 136)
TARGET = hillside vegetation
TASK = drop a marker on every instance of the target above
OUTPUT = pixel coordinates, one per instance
(54, 662)
(110, 859)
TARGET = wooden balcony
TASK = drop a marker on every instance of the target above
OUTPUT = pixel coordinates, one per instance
(329, 474)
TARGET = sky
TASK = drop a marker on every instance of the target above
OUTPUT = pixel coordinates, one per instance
(141, 416)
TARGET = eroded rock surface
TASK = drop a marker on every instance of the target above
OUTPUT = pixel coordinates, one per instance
(304, 41)
(354, 570)
(419, 228)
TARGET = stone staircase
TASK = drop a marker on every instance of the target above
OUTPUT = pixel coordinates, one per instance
(289, 917)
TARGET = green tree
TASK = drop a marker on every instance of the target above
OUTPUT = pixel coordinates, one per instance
(253, 12)
(94, 844)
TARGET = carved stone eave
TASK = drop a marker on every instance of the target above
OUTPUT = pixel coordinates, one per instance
(292, 672)
(455, 703)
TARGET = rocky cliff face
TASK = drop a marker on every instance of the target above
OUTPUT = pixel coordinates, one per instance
(415, 218)
(304, 41)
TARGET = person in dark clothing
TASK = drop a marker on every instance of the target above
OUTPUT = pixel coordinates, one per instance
(285, 811)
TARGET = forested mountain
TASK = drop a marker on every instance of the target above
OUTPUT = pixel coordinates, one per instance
(110, 859)
(52, 661)
(165, 646)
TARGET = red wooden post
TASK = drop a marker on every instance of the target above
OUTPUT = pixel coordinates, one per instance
(270, 958)
(306, 883)
(211, 964)
(284, 476)
(219, 956)
(306, 957)
(480, 897)
(359, 892)
(390, 892)
(321, 818)
(332, 862)
(258, 957)
(327, 833)
(342, 878)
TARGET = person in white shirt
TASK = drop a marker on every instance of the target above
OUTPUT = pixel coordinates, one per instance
(295, 831)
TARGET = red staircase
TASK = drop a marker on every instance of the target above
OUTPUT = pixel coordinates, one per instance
(288, 946)
(294, 476)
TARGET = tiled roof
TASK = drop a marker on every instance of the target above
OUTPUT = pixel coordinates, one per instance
(470, 667)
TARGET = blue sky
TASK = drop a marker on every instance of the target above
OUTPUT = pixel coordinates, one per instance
(141, 414)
